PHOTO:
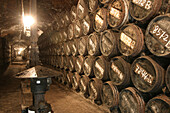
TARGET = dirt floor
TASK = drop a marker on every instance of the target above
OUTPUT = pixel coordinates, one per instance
(62, 99)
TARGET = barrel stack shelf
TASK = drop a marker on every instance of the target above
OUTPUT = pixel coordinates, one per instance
(115, 53)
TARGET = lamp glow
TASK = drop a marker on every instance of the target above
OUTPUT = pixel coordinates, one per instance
(20, 50)
(28, 21)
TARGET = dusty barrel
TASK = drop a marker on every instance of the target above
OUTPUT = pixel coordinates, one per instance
(119, 72)
(69, 79)
(64, 34)
(67, 18)
(95, 89)
(93, 45)
(109, 43)
(65, 60)
(67, 48)
(61, 62)
(73, 13)
(71, 63)
(70, 32)
(76, 81)
(74, 47)
(82, 45)
(79, 64)
(131, 101)
(78, 28)
(157, 36)
(167, 77)
(88, 66)
(82, 9)
(100, 22)
(84, 82)
(92, 5)
(100, 68)
(131, 40)
(118, 13)
(143, 10)
(147, 75)
(158, 104)
(62, 49)
(87, 24)
(110, 95)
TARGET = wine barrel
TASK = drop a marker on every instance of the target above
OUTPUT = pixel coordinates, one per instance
(76, 81)
(87, 24)
(61, 62)
(100, 68)
(109, 43)
(82, 45)
(119, 72)
(67, 48)
(73, 13)
(167, 78)
(69, 79)
(65, 60)
(88, 66)
(71, 63)
(110, 95)
(118, 13)
(70, 32)
(78, 28)
(64, 34)
(146, 9)
(82, 9)
(84, 81)
(147, 75)
(62, 49)
(100, 22)
(67, 18)
(131, 40)
(92, 5)
(95, 89)
(79, 64)
(58, 49)
(131, 101)
(157, 36)
(158, 104)
(93, 45)
(74, 47)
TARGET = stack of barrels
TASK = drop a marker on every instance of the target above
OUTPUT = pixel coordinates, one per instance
(117, 53)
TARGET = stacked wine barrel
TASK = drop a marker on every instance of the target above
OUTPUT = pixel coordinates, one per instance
(116, 53)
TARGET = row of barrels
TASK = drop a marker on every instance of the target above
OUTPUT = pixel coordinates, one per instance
(90, 46)
(145, 73)
(130, 40)
(127, 100)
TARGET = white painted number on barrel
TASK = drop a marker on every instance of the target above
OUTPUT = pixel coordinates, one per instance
(98, 19)
(127, 40)
(99, 67)
(161, 35)
(116, 13)
(147, 4)
(143, 74)
(117, 71)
